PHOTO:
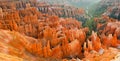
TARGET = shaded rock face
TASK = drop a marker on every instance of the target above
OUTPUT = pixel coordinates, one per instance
(107, 25)
(115, 13)
(62, 11)
(16, 4)
(113, 8)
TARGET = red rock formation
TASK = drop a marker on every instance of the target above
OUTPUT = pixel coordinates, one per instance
(110, 40)
(96, 41)
(51, 36)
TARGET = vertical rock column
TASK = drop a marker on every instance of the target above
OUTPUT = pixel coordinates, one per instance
(1, 13)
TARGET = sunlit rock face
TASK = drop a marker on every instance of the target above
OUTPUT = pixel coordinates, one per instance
(60, 10)
(27, 34)
(48, 34)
